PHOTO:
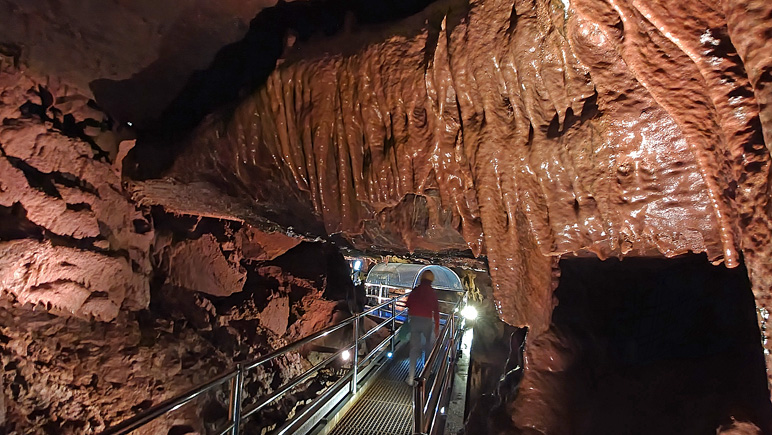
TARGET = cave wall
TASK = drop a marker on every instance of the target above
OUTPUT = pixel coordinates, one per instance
(72, 240)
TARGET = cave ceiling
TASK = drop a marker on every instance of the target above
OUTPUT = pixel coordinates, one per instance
(134, 57)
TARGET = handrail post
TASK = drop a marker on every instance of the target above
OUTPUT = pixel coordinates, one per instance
(237, 386)
(355, 364)
(393, 323)
(418, 407)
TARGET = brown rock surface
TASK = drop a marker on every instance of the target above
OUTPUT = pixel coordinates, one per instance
(256, 245)
(69, 376)
(67, 280)
(201, 266)
(74, 376)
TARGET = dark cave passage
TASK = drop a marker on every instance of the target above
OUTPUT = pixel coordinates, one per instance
(662, 346)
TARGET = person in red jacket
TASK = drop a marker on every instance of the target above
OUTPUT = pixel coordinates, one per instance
(422, 307)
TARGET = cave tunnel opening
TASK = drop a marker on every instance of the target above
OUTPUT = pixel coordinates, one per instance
(662, 346)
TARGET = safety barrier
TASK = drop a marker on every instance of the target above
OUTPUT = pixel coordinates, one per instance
(439, 369)
(237, 413)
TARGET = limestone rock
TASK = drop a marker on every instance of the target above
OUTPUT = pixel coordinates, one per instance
(201, 266)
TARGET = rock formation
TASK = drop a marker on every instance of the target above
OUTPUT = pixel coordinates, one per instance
(80, 246)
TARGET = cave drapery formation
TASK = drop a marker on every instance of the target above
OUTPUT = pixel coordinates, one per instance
(627, 129)
(519, 131)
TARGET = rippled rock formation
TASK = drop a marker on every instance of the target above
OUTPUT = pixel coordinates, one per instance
(108, 306)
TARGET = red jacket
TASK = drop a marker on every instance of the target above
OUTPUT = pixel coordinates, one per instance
(422, 302)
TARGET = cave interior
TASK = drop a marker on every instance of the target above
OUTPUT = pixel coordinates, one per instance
(184, 187)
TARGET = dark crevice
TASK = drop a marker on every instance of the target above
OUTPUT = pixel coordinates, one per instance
(432, 39)
(663, 328)
(553, 129)
(590, 108)
(15, 225)
(86, 243)
(46, 181)
(66, 123)
(141, 226)
(81, 206)
(70, 180)
(36, 179)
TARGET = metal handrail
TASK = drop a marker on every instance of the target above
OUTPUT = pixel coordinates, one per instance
(425, 407)
(167, 406)
(290, 385)
(237, 375)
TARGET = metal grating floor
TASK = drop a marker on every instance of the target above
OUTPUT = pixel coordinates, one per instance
(386, 407)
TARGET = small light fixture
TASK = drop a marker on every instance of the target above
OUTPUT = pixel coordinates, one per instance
(346, 355)
(442, 410)
(469, 312)
(357, 265)
(130, 124)
(389, 355)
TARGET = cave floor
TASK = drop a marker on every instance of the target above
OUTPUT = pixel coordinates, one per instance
(386, 406)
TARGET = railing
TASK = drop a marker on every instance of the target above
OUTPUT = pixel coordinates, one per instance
(237, 413)
(439, 368)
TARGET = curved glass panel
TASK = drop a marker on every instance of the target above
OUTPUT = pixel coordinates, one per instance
(406, 276)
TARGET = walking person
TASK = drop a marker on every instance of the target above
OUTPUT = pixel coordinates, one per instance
(422, 308)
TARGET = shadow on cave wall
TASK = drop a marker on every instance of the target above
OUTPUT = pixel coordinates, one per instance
(664, 346)
(239, 68)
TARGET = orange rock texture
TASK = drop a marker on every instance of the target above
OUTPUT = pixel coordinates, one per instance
(81, 345)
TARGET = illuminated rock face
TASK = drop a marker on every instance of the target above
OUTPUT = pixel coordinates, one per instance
(81, 345)
(509, 129)
(503, 128)
(72, 240)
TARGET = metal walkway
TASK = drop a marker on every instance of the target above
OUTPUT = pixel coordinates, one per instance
(371, 398)
(385, 406)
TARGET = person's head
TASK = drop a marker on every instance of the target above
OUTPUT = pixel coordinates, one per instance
(427, 276)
